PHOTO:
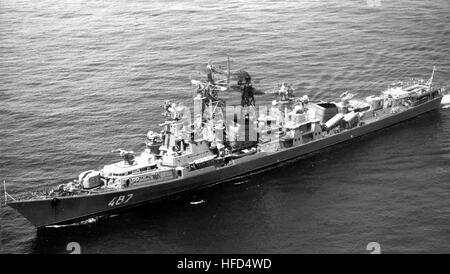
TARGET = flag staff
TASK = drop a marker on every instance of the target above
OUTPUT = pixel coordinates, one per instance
(4, 188)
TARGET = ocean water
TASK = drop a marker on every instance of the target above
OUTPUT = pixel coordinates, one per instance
(80, 78)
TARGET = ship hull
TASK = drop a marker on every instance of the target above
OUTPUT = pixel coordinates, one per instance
(48, 212)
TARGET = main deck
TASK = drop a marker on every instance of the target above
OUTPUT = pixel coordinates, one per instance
(50, 211)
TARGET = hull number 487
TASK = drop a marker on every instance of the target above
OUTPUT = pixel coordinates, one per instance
(120, 200)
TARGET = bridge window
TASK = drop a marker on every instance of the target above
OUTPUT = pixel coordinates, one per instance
(118, 174)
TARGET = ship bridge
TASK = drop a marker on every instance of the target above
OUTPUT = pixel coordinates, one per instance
(143, 163)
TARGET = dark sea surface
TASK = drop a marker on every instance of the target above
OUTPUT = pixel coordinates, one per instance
(81, 78)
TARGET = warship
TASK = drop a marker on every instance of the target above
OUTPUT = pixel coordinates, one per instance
(221, 142)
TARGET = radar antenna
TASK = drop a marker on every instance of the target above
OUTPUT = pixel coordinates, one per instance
(210, 87)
